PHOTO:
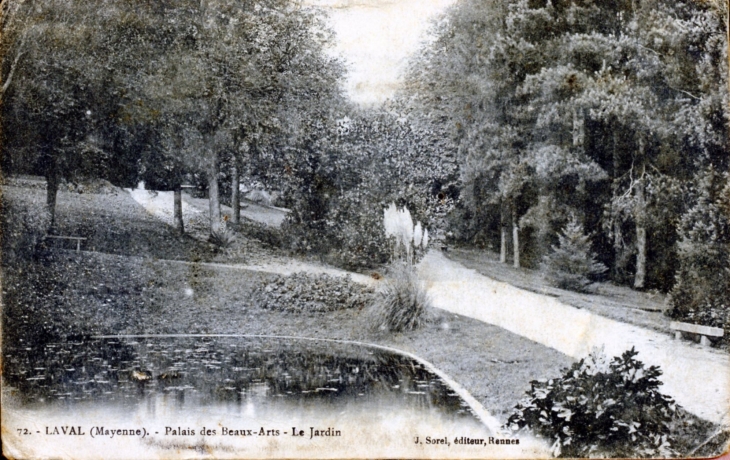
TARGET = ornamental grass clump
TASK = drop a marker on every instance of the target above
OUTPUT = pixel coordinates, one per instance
(401, 301)
(223, 237)
(599, 408)
(407, 238)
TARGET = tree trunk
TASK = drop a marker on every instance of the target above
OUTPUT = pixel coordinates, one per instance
(503, 233)
(52, 180)
(640, 257)
(515, 238)
(214, 196)
(177, 214)
(619, 260)
(579, 132)
(503, 244)
(640, 218)
(235, 193)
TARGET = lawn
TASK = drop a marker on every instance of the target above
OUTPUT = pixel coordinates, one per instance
(124, 285)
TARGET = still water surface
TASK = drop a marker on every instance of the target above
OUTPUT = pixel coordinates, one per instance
(234, 397)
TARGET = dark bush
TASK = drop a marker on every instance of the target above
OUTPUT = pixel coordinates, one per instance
(599, 408)
(23, 229)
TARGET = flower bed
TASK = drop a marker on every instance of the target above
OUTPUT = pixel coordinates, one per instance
(302, 292)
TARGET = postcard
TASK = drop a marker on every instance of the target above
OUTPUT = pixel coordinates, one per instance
(353, 229)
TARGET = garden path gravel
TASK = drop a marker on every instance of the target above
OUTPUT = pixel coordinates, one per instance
(698, 378)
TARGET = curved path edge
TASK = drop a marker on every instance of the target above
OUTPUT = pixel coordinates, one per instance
(698, 378)
(479, 411)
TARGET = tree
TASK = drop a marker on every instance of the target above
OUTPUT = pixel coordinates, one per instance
(58, 98)
(572, 263)
(230, 71)
(702, 290)
(555, 106)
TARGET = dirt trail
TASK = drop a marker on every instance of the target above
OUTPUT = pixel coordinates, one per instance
(698, 378)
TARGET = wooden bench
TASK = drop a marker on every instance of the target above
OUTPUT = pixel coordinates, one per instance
(703, 331)
(78, 239)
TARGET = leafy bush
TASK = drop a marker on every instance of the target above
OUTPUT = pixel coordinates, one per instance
(304, 292)
(261, 197)
(401, 301)
(23, 229)
(599, 408)
(571, 264)
(358, 239)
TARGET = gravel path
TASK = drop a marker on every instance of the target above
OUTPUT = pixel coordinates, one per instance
(288, 267)
(160, 204)
(698, 378)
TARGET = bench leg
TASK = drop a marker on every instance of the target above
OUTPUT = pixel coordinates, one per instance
(678, 335)
(78, 245)
(704, 341)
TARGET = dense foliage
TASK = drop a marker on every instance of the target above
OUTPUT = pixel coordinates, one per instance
(600, 408)
(613, 112)
(701, 294)
(341, 186)
(605, 110)
(158, 91)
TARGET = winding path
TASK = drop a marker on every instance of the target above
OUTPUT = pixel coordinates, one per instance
(697, 378)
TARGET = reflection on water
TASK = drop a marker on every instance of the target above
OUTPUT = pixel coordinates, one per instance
(233, 396)
(200, 371)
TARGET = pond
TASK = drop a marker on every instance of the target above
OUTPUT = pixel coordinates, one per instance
(233, 397)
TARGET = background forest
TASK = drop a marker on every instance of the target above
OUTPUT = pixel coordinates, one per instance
(588, 138)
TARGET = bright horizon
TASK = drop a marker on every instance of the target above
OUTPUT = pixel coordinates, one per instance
(375, 38)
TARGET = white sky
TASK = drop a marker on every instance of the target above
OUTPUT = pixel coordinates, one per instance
(375, 38)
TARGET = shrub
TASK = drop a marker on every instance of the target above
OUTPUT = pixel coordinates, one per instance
(223, 237)
(401, 301)
(599, 408)
(260, 197)
(302, 292)
(23, 228)
(571, 264)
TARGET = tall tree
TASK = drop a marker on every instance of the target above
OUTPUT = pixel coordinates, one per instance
(577, 102)
(58, 98)
(231, 70)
